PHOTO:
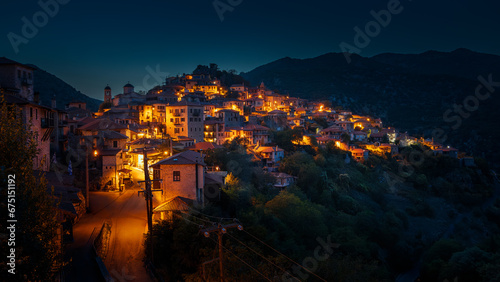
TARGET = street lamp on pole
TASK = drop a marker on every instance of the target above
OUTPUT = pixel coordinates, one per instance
(148, 195)
(87, 188)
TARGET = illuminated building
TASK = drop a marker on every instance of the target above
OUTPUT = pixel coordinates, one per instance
(185, 119)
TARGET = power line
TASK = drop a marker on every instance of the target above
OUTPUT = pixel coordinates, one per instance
(211, 216)
(211, 222)
(260, 273)
(197, 224)
(262, 256)
(285, 256)
(220, 230)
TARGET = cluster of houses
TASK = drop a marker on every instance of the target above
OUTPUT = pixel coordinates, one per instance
(191, 114)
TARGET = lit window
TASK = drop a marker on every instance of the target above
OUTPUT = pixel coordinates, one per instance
(177, 176)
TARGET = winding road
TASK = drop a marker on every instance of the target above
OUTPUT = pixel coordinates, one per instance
(126, 212)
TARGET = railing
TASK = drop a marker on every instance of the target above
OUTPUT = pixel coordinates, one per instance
(47, 122)
(27, 81)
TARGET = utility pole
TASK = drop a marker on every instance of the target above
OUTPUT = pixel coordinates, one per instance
(220, 230)
(171, 149)
(87, 190)
(148, 195)
(221, 257)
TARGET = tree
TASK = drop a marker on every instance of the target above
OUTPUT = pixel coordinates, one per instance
(232, 95)
(346, 138)
(37, 251)
(105, 105)
(322, 122)
(302, 217)
(285, 138)
(385, 138)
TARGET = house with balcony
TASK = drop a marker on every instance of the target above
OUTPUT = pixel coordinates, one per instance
(16, 83)
(16, 79)
(255, 103)
(214, 131)
(231, 118)
(346, 125)
(360, 136)
(185, 119)
(256, 134)
(333, 132)
(182, 175)
(359, 154)
(276, 120)
(44, 121)
(283, 180)
(271, 156)
(234, 104)
(91, 127)
(109, 164)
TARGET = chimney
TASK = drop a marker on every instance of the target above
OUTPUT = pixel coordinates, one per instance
(54, 104)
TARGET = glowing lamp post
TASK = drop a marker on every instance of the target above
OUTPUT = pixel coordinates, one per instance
(87, 203)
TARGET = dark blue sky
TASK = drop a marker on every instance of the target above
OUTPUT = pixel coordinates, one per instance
(93, 43)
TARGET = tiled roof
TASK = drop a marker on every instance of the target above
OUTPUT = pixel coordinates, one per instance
(252, 127)
(174, 204)
(204, 146)
(277, 112)
(333, 128)
(109, 152)
(6, 61)
(269, 149)
(377, 135)
(102, 124)
(109, 134)
(183, 158)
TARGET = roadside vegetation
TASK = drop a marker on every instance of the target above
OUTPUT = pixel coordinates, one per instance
(382, 221)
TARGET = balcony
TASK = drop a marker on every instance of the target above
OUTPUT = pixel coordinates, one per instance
(27, 81)
(177, 114)
(47, 122)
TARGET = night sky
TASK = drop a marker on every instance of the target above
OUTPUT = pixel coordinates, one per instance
(90, 43)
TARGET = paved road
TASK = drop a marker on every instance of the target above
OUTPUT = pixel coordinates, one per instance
(126, 252)
(127, 214)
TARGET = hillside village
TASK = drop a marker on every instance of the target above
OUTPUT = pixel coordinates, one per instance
(178, 122)
(194, 112)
